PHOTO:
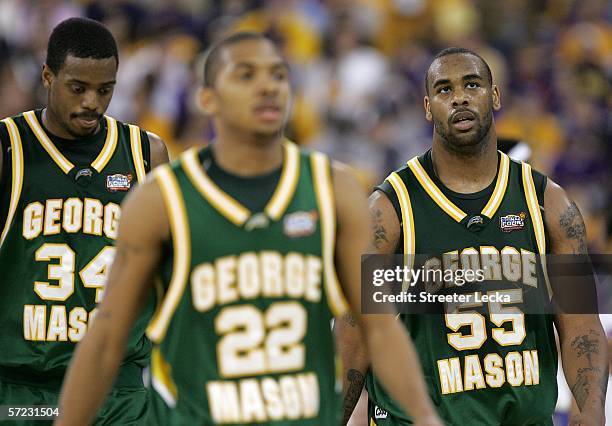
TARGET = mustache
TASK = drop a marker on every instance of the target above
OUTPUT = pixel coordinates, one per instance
(460, 110)
(86, 115)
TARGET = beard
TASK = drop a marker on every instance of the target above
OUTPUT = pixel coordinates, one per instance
(465, 145)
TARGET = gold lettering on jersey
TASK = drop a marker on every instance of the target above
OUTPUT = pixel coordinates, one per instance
(58, 326)
(251, 275)
(516, 369)
(509, 264)
(287, 397)
(73, 215)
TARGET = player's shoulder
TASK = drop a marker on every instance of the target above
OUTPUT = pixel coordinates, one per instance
(20, 119)
(403, 173)
(540, 179)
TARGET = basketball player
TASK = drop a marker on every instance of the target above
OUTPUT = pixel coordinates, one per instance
(65, 170)
(245, 239)
(463, 200)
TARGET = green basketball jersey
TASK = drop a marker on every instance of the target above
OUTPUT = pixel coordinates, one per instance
(243, 333)
(60, 219)
(486, 363)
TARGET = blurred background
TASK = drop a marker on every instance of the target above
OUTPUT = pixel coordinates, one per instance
(358, 69)
(358, 72)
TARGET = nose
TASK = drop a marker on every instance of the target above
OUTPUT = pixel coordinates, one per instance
(268, 86)
(89, 100)
(459, 97)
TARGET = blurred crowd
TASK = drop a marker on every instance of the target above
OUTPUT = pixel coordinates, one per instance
(358, 71)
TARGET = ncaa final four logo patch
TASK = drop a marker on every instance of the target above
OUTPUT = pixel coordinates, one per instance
(512, 222)
(118, 182)
(300, 224)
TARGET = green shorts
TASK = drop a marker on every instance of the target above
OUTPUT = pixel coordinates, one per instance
(124, 406)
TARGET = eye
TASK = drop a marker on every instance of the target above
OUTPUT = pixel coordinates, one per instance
(104, 91)
(472, 85)
(280, 75)
(245, 75)
(77, 89)
(444, 89)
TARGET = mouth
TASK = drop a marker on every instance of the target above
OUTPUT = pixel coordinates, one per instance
(463, 120)
(88, 121)
(269, 112)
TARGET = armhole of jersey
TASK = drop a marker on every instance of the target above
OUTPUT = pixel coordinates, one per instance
(161, 378)
(181, 243)
(408, 233)
(16, 174)
(146, 150)
(136, 148)
(531, 198)
(327, 209)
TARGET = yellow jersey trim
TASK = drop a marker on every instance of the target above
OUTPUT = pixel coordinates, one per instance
(229, 207)
(451, 208)
(287, 183)
(17, 174)
(327, 208)
(181, 242)
(62, 162)
(503, 173)
(110, 144)
(226, 205)
(161, 378)
(434, 192)
(536, 219)
(136, 145)
(406, 209)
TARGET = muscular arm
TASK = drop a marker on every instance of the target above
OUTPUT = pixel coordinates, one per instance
(398, 368)
(159, 152)
(584, 350)
(97, 358)
(385, 234)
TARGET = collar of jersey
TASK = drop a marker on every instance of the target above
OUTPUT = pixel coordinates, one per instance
(447, 205)
(229, 207)
(63, 163)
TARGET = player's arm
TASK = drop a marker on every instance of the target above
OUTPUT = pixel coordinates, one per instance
(97, 358)
(398, 368)
(584, 347)
(159, 152)
(385, 233)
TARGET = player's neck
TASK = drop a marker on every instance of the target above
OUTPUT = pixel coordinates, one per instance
(248, 156)
(465, 174)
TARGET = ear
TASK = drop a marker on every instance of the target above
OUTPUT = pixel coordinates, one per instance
(496, 98)
(427, 107)
(206, 101)
(47, 76)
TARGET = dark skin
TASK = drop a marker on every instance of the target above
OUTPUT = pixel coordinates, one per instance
(465, 160)
(77, 98)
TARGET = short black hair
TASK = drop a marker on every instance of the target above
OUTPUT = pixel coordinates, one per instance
(455, 51)
(211, 63)
(82, 38)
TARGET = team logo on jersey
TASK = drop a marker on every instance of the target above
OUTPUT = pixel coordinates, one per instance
(118, 182)
(257, 221)
(300, 224)
(475, 220)
(512, 222)
(379, 413)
